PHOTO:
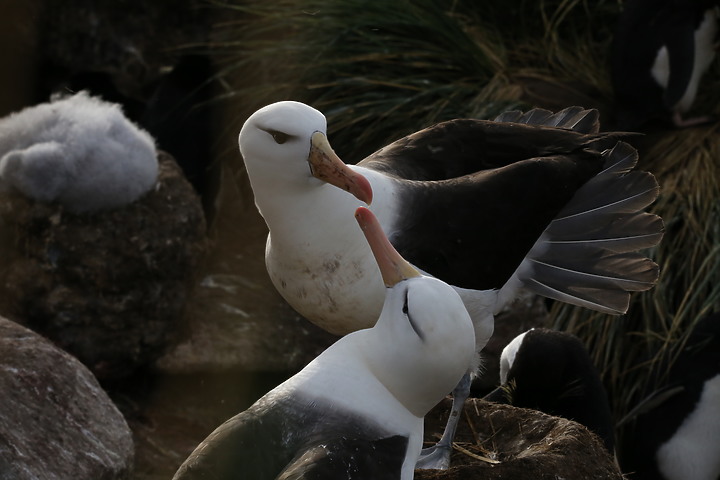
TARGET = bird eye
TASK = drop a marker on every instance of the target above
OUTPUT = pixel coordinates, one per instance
(279, 137)
(414, 326)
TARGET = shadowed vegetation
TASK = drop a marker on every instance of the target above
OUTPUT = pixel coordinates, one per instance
(380, 70)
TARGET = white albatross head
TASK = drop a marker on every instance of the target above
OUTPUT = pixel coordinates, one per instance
(507, 357)
(427, 335)
(284, 145)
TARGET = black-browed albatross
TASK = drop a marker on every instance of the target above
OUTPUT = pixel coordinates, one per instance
(356, 411)
(661, 50)
(552, 372)
(536, 201)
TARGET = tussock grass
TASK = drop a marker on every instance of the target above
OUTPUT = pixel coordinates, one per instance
(380, 70)
(656, 328)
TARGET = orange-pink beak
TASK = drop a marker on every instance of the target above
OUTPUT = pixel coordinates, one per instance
(393, 267)
(327, 166)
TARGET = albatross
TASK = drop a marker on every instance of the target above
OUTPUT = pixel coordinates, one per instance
(535, 201)
(79, 151)
(551, 371)
(356, 411)
(661, 50)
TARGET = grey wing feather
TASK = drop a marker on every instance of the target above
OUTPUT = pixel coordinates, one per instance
(588, 255)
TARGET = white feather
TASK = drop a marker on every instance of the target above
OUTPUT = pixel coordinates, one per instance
(693, 452)
(79, 151)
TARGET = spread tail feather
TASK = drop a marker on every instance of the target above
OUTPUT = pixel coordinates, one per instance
(588, 254)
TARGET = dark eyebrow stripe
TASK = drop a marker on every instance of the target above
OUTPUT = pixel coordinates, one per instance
(415, 328)
(273, 131)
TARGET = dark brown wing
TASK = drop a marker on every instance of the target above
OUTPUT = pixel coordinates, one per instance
(461, 147)
(567, 226)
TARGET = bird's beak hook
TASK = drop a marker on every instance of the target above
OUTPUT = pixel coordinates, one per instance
(325, 165)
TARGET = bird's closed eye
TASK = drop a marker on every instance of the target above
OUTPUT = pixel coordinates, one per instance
(414, 326)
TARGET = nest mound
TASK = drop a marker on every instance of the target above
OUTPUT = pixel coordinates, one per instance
(500, 441)
(108, 287)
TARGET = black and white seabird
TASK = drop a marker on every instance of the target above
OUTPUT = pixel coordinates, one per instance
(356, 411)
(552, 372)
(661, 49)
(676, 435)
(536, 201)
(79, 151)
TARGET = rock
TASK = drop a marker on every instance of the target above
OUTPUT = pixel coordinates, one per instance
(517, 443)
(109, 287)
(55, 420)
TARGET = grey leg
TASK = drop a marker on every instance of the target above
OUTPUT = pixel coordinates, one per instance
(438, 456)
